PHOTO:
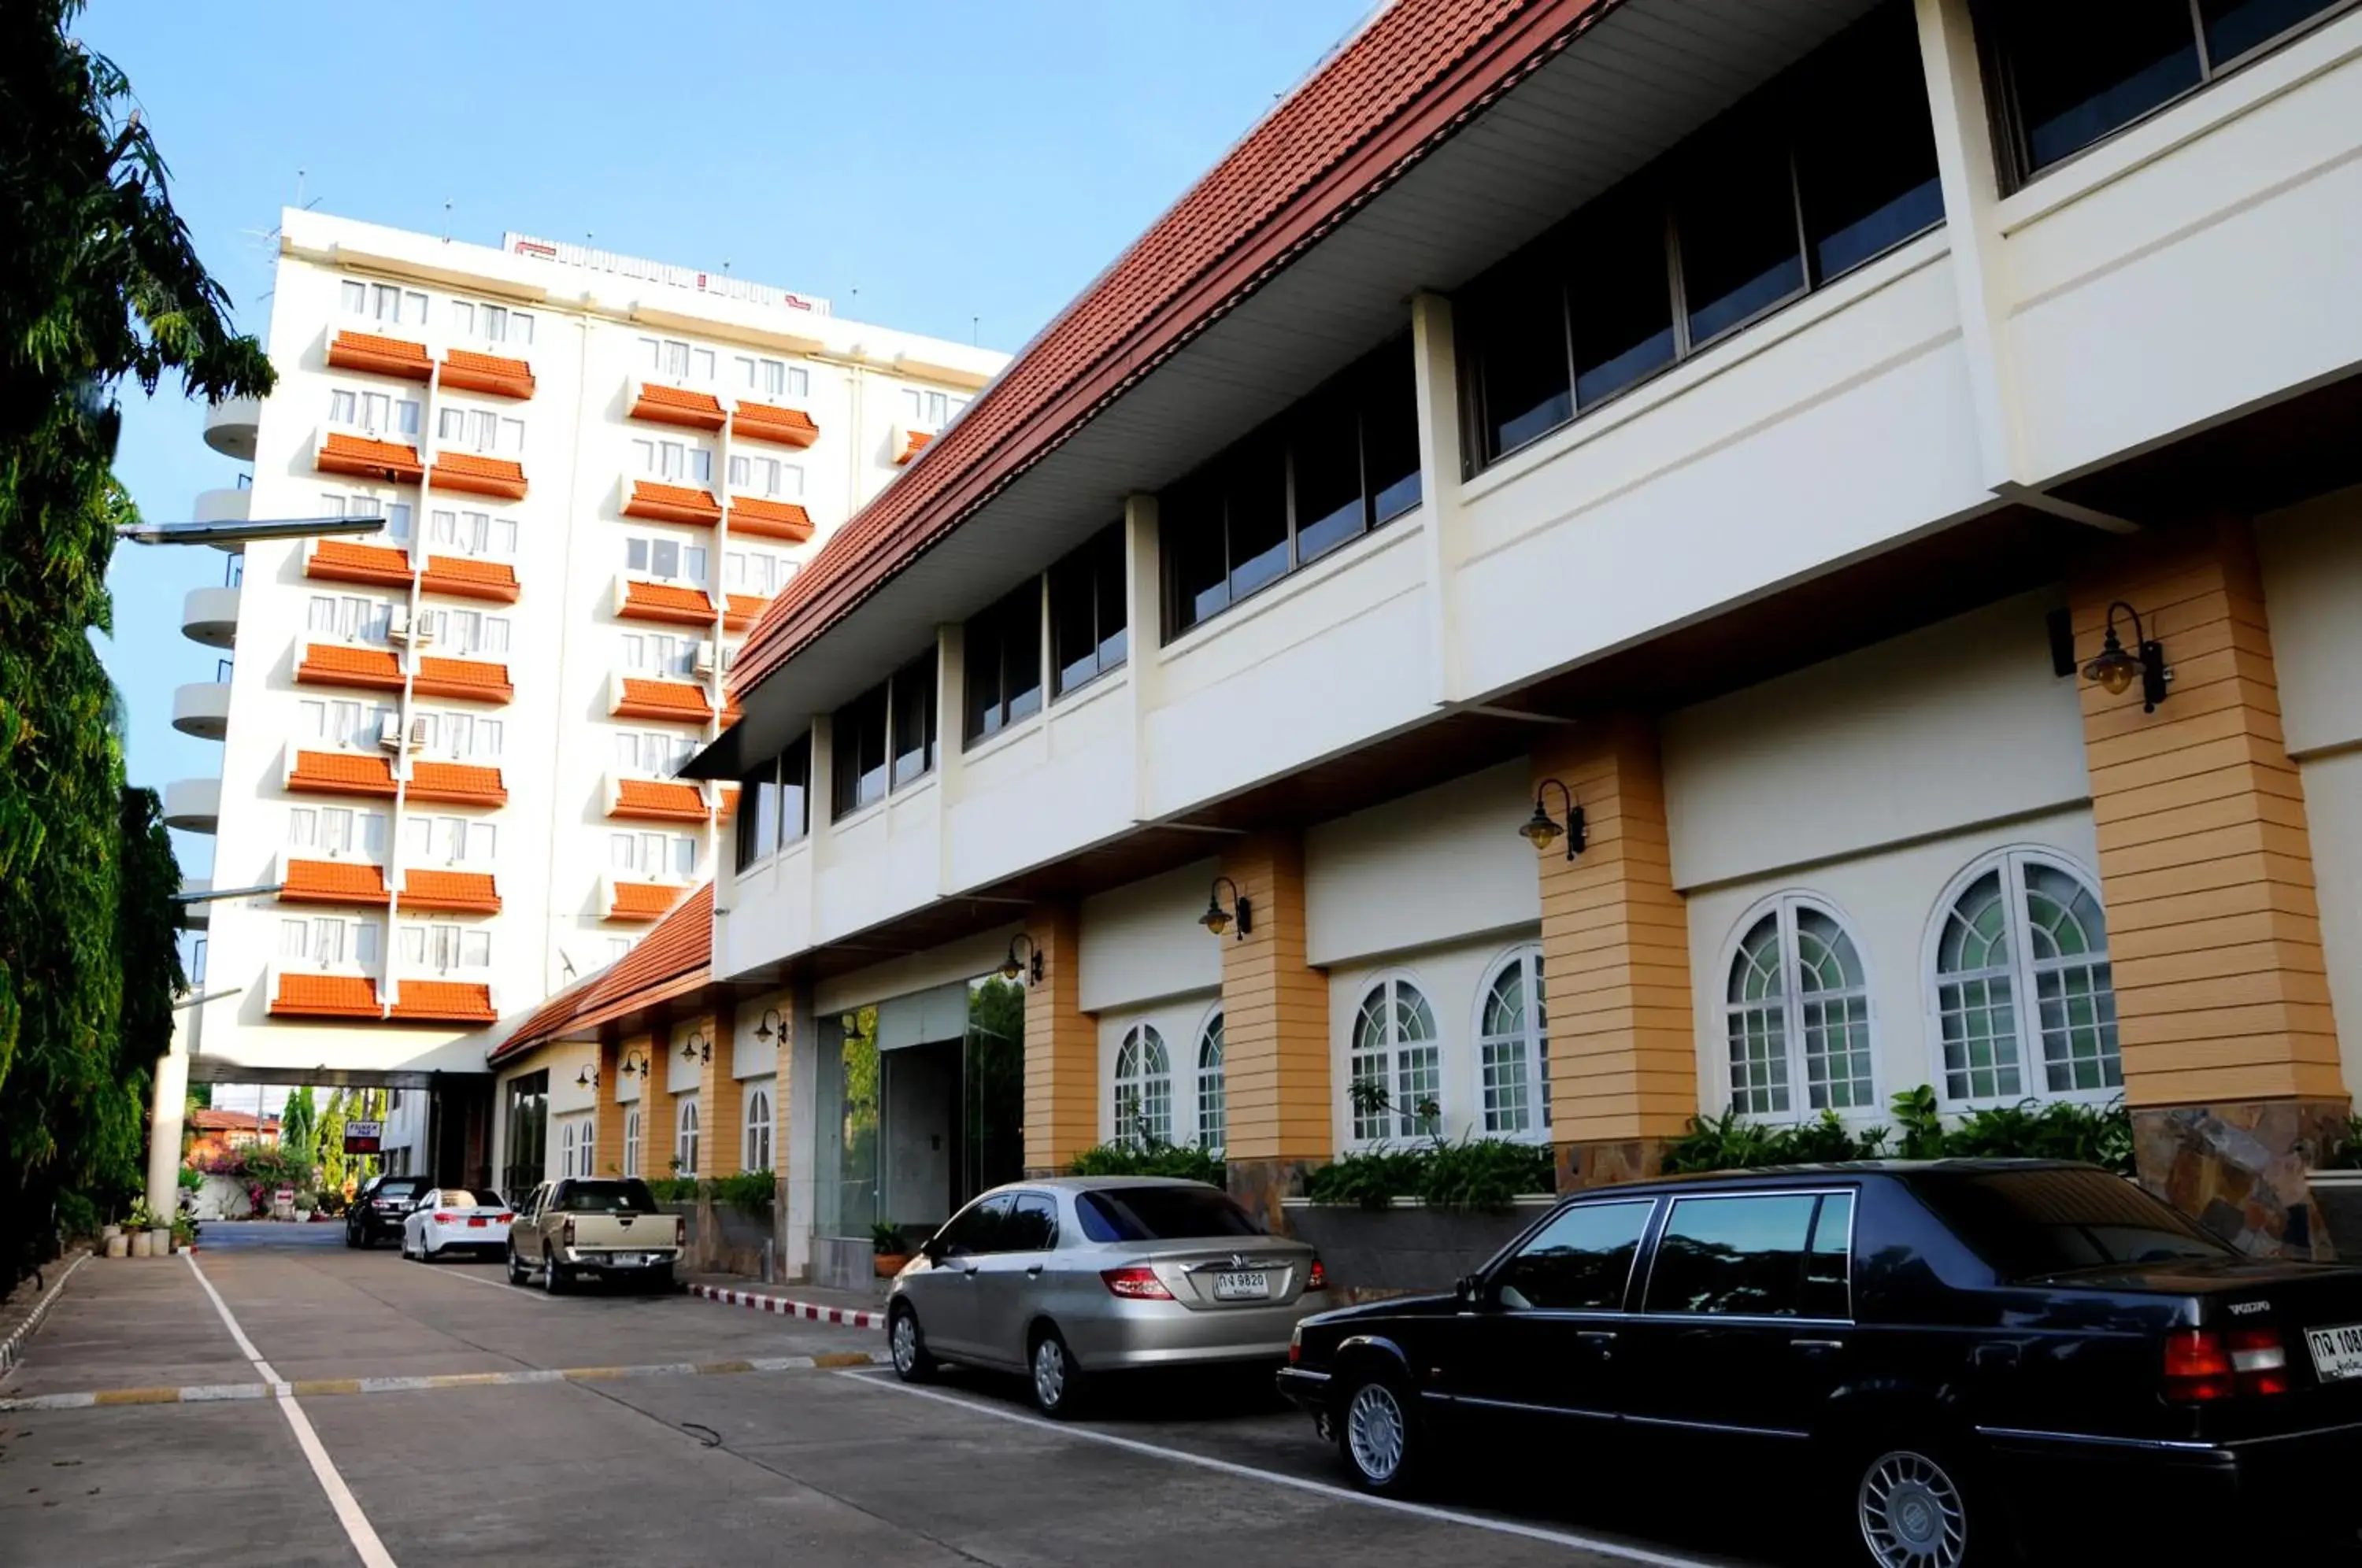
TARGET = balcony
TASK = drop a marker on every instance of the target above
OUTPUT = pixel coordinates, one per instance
(458, 784)
(646, 696)
(469, 679)
(783, 427)
(343, 664)
(450, 891)
(228, 503)
(209, 615)
(672, 603)
(494, 375)
(380, 356)
(770, 519)
(909, 443)
(201, 709)
(460, 577)
(336, 773)
(231, 424)
(193, 805)
(442, 1002)
(365, 457)
(296, 994)
(636, 800)
(658, 502)
(353, 884)
(743, 611)
(661, 404)
(637, 902)
(195, 915)
(502, 479)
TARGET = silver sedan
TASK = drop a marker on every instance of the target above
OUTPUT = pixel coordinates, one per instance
(1071, 1278)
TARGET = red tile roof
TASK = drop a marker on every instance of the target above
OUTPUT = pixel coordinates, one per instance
(665, 602)
(914, 443)
(475, 679)
(761, 421)
(467, 892)
(458, 784)
(658, 800)
(671, 405)
(334, 664)
(341, 773)
(641, 901)
(672, 503)
(770, 519)
(673, 959)
(342, 560)
(380, 356)
(463, 576)
(466, 370)
(443, 1001)
(333, 882)
(359, 456)
(664, 700)
(325, 996)
(206, 1119)
(1418, 73)
(501, 478)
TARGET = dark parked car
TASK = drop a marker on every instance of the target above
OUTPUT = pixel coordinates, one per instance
(377, 1209)
(1941, 1352)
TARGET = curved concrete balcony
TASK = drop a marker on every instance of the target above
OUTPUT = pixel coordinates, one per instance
(192, 917)
(231, 503)
(201, 709)
(193, 805)
(209, 615)
(230, 427)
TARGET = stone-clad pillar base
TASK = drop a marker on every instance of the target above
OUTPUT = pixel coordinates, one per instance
(2239, 1168)
(1259, 1184)
(1608, 1162)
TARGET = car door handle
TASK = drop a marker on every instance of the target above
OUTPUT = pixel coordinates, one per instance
(1817, 1347)
(1600, 1340)
(1033, 1272)
(968, 1272)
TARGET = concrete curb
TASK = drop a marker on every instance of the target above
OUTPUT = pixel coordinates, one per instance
(849, 1316)
(12, 1346)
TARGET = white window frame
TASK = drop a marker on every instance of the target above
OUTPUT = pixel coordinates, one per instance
(632, 1141)
(2024, 974)
(566, 1148)
(1143, 1081)
(757, 1138)
(1210, 1086)
(1785, 905)
(501, 535)
(1532, 1043)
(695, 561)
(376, 415)
(687, 1135)
(1398, 1122)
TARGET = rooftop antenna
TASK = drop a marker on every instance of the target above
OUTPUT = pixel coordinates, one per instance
(725, 266)
(446, 220)
(976, 331)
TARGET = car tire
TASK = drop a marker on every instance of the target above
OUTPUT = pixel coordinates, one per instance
(352, 1238)
(516, 1268)
(907, 1345)
(553, 1279)
(1916, 1504)
(1054, 1375)
(1378, 1432)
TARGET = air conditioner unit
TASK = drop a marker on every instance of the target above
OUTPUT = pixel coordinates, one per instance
(417, 734)
(705, 653)
(398, 629)
(388, 733)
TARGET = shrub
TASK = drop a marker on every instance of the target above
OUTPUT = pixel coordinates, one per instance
(190, 1180)
(1180, 1161)
(1478, 1174)
(77, 1215)
(2345, 1153)
(752, 1191)
(673, 1189)
(2100, 1136)
(886, 1239)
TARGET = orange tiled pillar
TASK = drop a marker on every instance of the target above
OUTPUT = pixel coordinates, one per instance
(2223, 1012)
(656, 1105)
(1062, 1048)
(1274, 1029)
(1615, 961)
(722, 1130)
(607, 1113)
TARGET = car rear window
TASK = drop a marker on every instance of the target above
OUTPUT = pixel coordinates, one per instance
(630, 1197)
(459, 1198)
(2031, 1224)
(1162, 1214)
(401, 1187)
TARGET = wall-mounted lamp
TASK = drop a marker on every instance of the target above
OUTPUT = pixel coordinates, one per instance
(2115, 668)
(764, 1032)
(1029, 964)
(1217, 919)
(698, 1048)
(1542, 830)
(587, 1079)
(637, 1062)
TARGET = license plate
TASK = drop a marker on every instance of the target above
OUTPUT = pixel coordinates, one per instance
(1251, 1286)
(2336, 1353)
(476, 1222)
(627, 1260)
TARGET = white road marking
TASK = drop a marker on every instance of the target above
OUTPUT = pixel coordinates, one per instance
(357, 1529)
(1301, 1484)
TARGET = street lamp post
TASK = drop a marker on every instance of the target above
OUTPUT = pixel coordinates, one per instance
(245, 533)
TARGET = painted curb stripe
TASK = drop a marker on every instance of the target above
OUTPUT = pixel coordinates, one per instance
(11, 1346)
(208, 1393)
(846, 1317)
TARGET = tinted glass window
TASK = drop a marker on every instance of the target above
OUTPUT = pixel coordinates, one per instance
(978, 1229)
(1031, 1225)
(759, 814)
(1579, 1262)
(1003, 656)
(1865, 147)
(1739, 1256)
(1522, 361)
(913, 699)
(857, 739)
(403, 1187)
(1088, 611)
(2234, 26)
(629, 1195)
(1189, 522)
(1623, 315)
(1256, 506)
(2028, 1224)
(1162, 1214)
(2080, 72)
(1390, 435)
(460, 1198)
(1828, 1266)
(1326, 445)
(1736, 213)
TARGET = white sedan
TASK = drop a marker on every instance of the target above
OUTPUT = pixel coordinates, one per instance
(449, 1218)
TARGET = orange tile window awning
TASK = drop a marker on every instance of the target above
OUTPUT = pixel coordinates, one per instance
(672, 503)
(333, 882)
(364, 458)
(762, 422)
(442, 1002)
(473, 680)
(499, 477)
(663, 700)
(466, 370)
(661, 404)
(665, 602)
(461, 892)
(334, 664)
(325, 996)
(914, 443)
(658, 801)
(458, 784)
(771, 519)
(744, 610)
(461, 577)
(642, 900)
(340, 773)
(380, 356)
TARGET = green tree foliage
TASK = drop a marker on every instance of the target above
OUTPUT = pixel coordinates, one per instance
(99, 283)
(331, 1144)
(299, 1124)
(994, 1083)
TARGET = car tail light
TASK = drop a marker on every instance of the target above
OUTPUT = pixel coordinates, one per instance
(680, 1232)
(2200, 1364)
(1138, 1283)
(1295, 1341)
(1317, 1279)
(566, 1234)
(504, 1219)
(443, 1218)
(2260, 1360)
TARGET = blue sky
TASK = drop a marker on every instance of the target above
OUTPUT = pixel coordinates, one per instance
(966, 166)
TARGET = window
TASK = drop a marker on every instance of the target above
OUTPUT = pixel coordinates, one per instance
(1831, 165)
(479, 430)
(472, 533)
(511, 330)
(2025, 929)
(929, 410)
(755, 1152)
(766, 477)
(1396, 1079)
(1162, 1214)
(327, 942)
(687, 1140)
(351, 724)
(336, 830)
(653, 857)
(617, 946)
(887, 732)
(775, 804)
(673, 360)
(463, 738)
(465, 631)
(1513, 1047)
(1342, 462)
(662, 655)
(387, 304)
(1003, 656)
(977, 1229)
(665, 560)
(349, 617)
(449, 841)
(2032, 1224)
(1213, 1094)
(1144, 1090)
(1779, 1255)
(2067, 76)
(675, 462)
(1031, 1225)
(752, 572)
(566, 1147)
(395, 512)
(1580, 1262)
(380, 415)
(631, 1142)
(589, 1132)
(442, 948)
(653, 751)
(769, 381)
(1797, 1012)
(1089, 610)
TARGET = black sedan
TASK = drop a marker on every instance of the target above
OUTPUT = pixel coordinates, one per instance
(1944, 1357)
(377, 1209)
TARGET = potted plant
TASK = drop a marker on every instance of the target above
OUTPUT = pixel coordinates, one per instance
(892, 1250)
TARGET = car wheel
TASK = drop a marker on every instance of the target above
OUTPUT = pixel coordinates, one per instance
(1912, 1509)
(516, 1268)
(426, 1252)
(553, 1279)
(352, 1238)
(1379, 1436)
(908, 1345)
(1057, 1381)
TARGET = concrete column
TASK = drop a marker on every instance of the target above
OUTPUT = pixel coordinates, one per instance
(1062, 1048)
(1615, 959)
(722, 1112)
(1435, 374)
(607, 1111)
(165, 1123)
(655, 1104)
(1274, 1029)
(2223, 1012)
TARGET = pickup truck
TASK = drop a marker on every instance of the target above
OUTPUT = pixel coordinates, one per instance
(594, 1226)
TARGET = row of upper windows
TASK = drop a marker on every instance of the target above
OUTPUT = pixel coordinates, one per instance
(390, 306)
(426, 840)
(331, 942)
(754, 1146)
(435, 734)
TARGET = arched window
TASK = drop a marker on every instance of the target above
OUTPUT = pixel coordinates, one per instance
(1213, 1099)
(2024, 1004)
(686, 1144)
(757, 1152)
(1797, 1014)
(589, 1129)
(1396, 1082)
(566, 1151)
(1513, 1047)
(1143, 1089)
(631, 1142)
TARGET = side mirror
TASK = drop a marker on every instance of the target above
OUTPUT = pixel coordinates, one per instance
(1466, 1287)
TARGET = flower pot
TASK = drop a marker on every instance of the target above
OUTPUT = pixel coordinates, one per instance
(160, 1241)
(889, 1264)
(108, 1232)
(143, 1243)
(118, 1245)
